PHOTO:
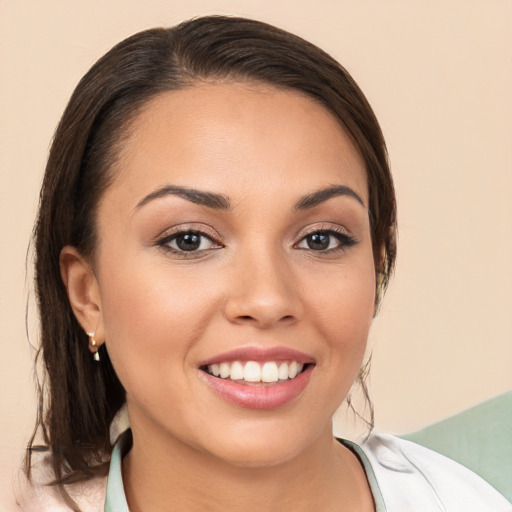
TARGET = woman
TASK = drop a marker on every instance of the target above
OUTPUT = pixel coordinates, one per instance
(216, 229)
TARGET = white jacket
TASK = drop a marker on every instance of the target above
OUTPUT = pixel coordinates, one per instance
(412, 478)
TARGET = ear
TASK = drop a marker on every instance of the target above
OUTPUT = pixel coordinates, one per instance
(83, 291)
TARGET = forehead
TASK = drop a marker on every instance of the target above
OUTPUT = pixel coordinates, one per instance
(227, 135)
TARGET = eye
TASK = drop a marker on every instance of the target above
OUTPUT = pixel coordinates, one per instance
(188, 241)
(326, 240)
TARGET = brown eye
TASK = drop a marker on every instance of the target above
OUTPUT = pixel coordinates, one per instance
(318, 241)
(326, 241)
(188, 242)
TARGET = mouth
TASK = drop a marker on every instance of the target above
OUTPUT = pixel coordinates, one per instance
(256, 372)
(257, 378)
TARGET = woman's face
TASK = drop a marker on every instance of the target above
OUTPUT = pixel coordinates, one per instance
(235, 239)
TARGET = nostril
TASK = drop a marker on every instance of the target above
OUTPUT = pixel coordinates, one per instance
(250, 317)
(261, 309)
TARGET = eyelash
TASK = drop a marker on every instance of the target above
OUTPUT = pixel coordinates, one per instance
(345, 241)
(169, 238)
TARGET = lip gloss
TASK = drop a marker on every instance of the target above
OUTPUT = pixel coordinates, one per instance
(258, 396)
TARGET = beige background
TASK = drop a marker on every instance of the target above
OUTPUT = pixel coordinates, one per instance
(438, 74)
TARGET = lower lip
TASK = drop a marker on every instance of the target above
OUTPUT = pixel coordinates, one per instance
(259, 396)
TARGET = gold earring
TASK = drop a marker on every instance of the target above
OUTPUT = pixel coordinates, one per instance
(94, 345)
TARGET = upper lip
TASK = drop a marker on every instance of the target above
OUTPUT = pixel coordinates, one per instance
(260, 354)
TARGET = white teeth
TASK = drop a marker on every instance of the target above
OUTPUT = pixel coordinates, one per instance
(224, 370)
(283, 371)
(293, 369)
(252, 371)
(237, 371)
(269, 372)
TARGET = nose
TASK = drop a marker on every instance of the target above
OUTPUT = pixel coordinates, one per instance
(263, 291)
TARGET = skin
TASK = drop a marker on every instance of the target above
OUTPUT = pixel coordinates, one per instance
(256, 283)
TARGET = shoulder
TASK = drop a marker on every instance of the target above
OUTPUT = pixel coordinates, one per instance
(479, 438)
(36, 496)
(412, 477)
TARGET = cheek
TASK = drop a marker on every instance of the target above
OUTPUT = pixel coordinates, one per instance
(343, 310)
(151, 318)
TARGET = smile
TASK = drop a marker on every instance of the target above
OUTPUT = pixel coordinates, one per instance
(258, 378)
(256, 372)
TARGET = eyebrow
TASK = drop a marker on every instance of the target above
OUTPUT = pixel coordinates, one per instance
(315, 198)
(222, 202)
(209, 199)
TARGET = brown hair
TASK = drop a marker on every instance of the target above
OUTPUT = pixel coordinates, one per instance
(78, 397)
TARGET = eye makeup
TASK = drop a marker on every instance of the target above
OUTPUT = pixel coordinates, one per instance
(193, 242)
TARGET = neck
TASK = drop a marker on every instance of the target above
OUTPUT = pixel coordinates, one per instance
(172, 476)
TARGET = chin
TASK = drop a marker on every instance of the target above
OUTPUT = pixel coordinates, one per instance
(263, 447)
(260, 458)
